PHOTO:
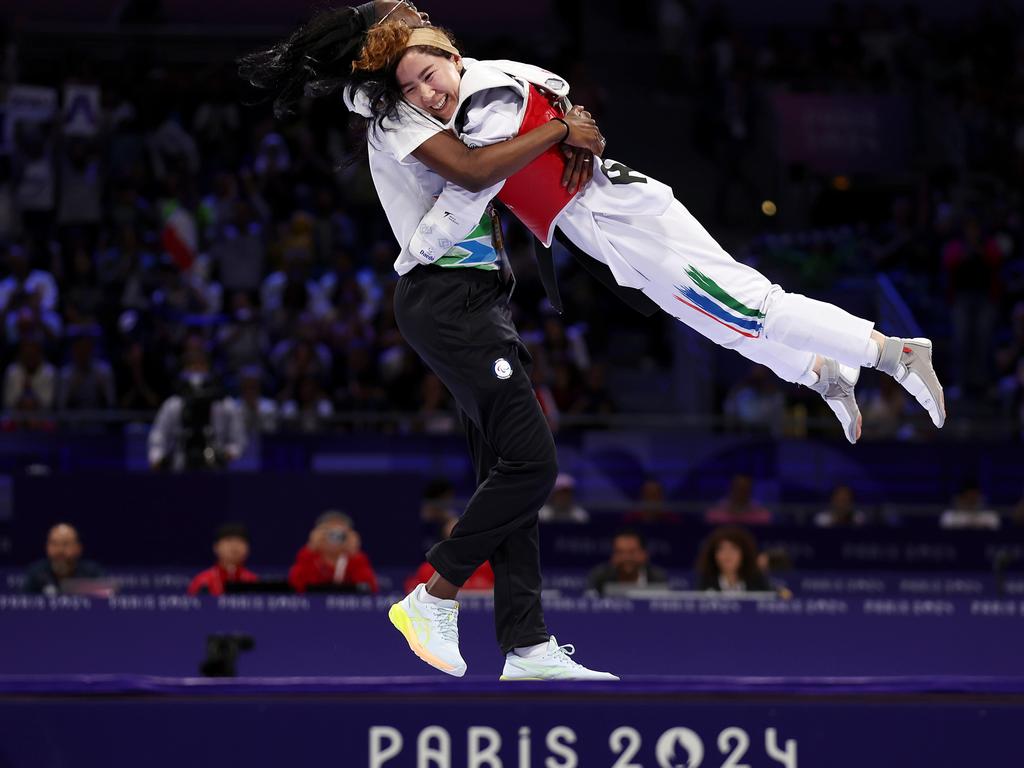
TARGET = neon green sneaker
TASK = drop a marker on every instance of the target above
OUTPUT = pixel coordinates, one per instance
(431, 629)
(553, 664)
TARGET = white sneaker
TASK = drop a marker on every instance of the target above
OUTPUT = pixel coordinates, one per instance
(909, 361)
(553, 664)
(431, 629)
(835, 384)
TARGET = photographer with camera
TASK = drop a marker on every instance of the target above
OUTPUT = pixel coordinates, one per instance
(333, 557)
(199, 428)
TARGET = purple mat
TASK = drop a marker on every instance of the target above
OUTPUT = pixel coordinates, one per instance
(149, 685)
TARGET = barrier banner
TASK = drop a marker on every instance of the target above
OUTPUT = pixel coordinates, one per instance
(937, 639)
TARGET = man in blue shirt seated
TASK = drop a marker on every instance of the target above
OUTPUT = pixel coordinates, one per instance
(63, 561)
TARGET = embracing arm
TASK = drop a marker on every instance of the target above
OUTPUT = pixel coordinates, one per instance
(476, 169)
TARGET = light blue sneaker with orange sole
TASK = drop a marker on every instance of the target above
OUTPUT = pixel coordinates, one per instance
(431, 630)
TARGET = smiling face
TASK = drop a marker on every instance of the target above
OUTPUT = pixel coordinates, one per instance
(430, 82)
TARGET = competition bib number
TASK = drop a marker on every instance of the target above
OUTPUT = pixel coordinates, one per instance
(617, 173)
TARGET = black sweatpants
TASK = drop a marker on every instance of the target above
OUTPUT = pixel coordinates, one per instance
(459, 322)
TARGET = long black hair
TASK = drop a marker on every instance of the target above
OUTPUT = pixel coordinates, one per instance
(315, 60)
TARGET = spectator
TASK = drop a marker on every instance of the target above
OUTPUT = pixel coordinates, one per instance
(594, 398)
(756, 404)
(231, 546)
(969, 510)
(437, 509)
(651, 508)
(199, 428)
(562, 506)
(629, 565)
(438, 503)
(333, 557)
(565, 384)
(171, 148)
(436, 415)
(739, 506)
(361, 387)
(29, 382)
(301, 353)
(242, 339)
(841, 510)
(883, 411)
(81, 186)
(85, 382)
(25, 284)
(259, 414)
(139, 371)
(972, 264)
(1011, 395)
(310, 408)
(83, 300)
(481, 580)
(728, 562)
(290, 291)
(63, 561)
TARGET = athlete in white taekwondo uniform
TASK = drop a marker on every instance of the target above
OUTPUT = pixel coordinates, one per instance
(633, 224)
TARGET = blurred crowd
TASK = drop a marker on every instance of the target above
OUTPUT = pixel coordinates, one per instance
(942, 223)
(170, 238)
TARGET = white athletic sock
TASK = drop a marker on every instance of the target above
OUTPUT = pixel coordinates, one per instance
(809, 378)
(429, 599)
(531, 650)
(871, 354)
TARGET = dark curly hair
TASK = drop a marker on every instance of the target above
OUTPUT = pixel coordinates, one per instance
(707, 566)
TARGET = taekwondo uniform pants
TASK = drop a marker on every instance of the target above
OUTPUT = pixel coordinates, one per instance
(459, 322)
(677, 264)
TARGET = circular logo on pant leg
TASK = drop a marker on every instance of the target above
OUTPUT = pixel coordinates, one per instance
(502, 368)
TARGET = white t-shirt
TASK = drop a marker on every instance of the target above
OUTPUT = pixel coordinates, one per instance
(406, 188)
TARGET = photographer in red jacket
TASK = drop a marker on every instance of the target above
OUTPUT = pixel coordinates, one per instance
(333, 556)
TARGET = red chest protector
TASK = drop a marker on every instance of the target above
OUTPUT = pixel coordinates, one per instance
(535, 194)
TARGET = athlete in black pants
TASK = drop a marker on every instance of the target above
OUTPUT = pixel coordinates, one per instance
(458, 320)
